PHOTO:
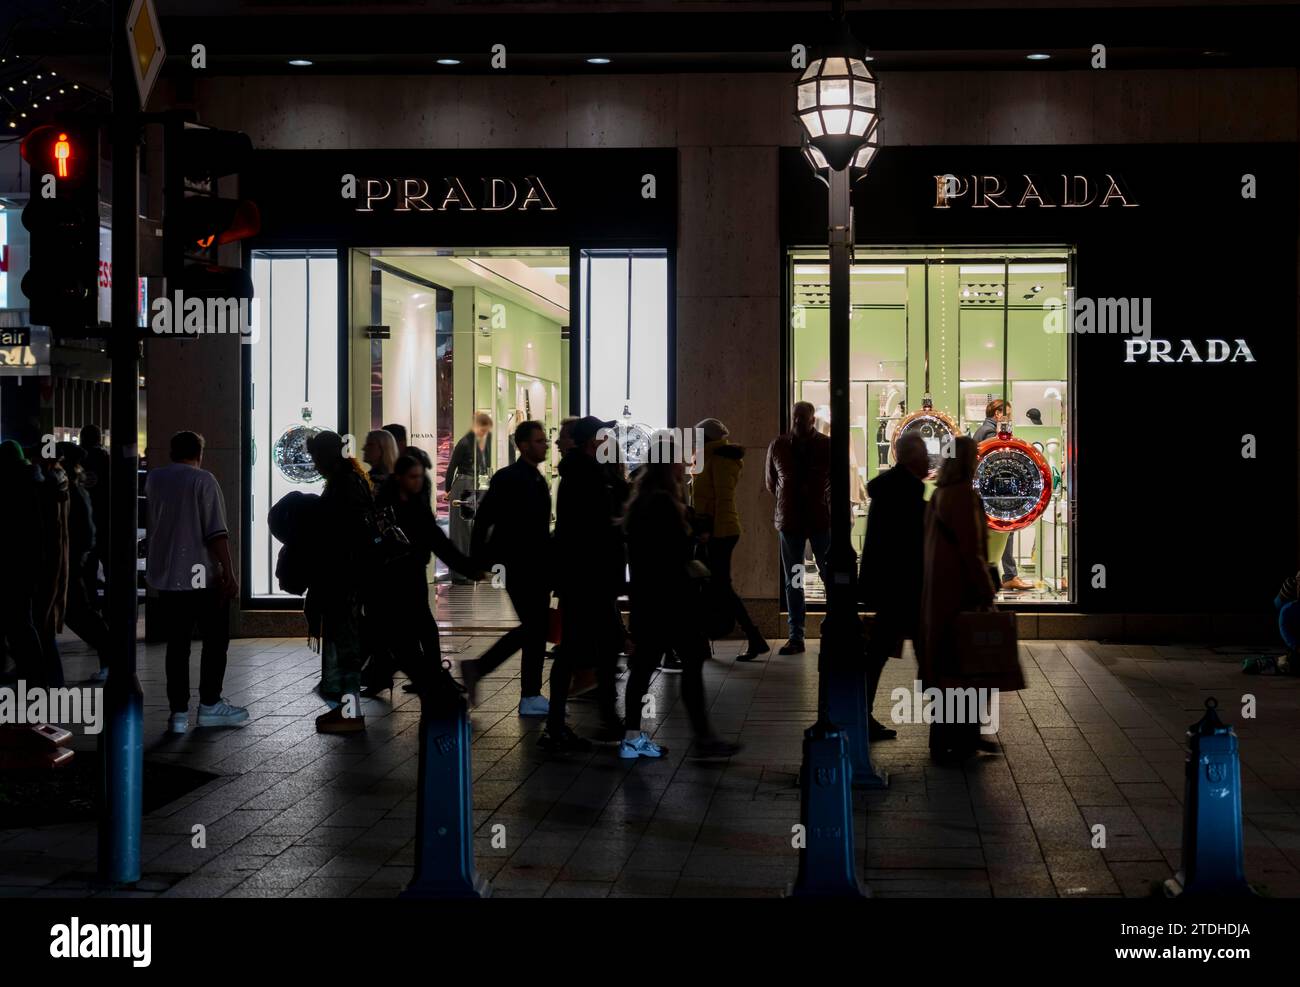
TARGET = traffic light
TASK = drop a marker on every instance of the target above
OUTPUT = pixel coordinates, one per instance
(62, 217)
(197, 219)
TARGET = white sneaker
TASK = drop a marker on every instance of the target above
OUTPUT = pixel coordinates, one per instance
(534, 706)
(178, 722)
(643, 746)
(221, 714)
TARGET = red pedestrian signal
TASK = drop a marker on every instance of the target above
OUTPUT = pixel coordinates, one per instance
(62, 218)
(62, 151)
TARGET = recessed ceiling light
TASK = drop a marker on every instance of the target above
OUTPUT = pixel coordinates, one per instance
(598, 61)
(1038, 56)
(300, 62)
(868, 58)
(449, 61)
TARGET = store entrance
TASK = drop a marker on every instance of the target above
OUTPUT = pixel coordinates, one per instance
(459, 347)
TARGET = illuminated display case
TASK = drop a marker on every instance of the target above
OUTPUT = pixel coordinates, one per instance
(965, 327)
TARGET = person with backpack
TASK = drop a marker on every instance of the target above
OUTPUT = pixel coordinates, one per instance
(713, 496)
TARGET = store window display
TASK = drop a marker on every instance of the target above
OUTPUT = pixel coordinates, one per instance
(938, 335)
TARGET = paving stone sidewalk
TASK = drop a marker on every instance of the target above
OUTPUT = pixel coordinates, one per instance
(1095, 739)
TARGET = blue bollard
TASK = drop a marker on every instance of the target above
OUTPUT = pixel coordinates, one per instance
(121, 751)
(1213, 847)
(826, 865)
(847, 708)
(444, 814)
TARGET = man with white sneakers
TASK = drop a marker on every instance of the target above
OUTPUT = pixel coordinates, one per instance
(190, 569)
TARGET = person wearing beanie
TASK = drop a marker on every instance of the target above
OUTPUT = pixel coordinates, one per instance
(713, 497)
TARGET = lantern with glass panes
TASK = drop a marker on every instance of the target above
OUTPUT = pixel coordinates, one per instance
(836, 106)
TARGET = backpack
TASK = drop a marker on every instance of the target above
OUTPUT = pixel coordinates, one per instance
(292, 520)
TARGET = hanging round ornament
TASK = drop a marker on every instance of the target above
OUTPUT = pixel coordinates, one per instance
(1014, 481)
(932, 426)
(290, 453)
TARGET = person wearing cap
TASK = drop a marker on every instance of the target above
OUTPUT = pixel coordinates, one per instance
(591, 564)
(713, 496)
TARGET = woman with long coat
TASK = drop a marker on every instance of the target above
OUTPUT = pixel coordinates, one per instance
(956, 580)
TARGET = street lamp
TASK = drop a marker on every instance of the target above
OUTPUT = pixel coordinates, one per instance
(836, 105)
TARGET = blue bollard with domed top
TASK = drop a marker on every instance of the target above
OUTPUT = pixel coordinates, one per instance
(444, 814)
(1213, 845)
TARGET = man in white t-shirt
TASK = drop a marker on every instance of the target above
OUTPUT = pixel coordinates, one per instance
(189, 567)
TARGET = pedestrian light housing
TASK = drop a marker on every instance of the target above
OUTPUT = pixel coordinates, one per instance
(835, 103)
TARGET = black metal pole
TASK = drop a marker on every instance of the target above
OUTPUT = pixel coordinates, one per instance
(122, 744)
(827, 864)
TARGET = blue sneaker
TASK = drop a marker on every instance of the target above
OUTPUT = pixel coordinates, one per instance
(643, 746)
(534, 706)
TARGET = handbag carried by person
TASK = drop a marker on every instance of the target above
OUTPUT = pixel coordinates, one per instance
(986, 649)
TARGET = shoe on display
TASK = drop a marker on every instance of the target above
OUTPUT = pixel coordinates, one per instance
(335, 722)
(1016, 583)
(671, 663)
(563, 742)
(178, 722)
(642, 746)
(221, 714)
(534, 706)
(794, 646)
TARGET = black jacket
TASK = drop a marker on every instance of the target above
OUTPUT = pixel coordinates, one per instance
(415, 518)
(467, 459)
(659, 546)
(893, 556)
(988, 430)
(513, 522)
(588, 541)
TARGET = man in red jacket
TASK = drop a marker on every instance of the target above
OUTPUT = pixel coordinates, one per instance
(798, 474)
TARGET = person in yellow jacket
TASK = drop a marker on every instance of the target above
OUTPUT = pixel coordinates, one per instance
(713, 496)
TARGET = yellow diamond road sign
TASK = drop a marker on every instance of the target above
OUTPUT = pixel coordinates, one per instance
(147, 49)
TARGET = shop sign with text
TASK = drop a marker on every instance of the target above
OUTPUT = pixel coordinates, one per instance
(452, 193)
(1023, 191)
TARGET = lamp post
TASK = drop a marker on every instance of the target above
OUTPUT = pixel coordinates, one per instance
(837, 109)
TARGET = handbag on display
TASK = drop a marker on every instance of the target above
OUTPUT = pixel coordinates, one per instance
(986, 649)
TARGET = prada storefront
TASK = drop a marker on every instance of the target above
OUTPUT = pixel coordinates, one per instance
(437, 289)
(1116, 324)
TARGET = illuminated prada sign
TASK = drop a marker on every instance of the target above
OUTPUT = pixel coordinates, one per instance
(1162, 351)
(1030, 192)
(491, 194)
